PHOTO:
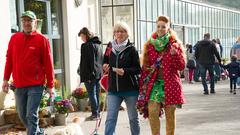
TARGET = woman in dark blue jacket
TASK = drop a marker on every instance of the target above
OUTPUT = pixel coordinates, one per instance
(121, 61)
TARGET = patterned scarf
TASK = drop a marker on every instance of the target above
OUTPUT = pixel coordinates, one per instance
(119, 46)
(160, 42)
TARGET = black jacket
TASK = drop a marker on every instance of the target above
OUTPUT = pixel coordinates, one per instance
(91, 60)
(205, 52)
(127, 59)
(233, 69)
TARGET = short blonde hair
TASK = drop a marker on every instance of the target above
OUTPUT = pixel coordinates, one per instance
(122, 26)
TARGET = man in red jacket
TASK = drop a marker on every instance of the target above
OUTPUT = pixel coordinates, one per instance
(29, 61)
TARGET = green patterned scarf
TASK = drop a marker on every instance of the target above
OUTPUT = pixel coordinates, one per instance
(160, 42)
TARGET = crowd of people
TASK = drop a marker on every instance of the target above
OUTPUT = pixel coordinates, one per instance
(150, 88)
(205, 63)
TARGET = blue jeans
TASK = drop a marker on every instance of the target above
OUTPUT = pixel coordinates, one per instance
(217, 70)
(196, 73)
(93, 94)
(27, 103)
(113, 104)
(203, 70)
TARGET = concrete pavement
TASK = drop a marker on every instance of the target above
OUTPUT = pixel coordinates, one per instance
(214, 114)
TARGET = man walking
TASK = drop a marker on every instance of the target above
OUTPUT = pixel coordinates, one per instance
(29, 60)
(205, 54)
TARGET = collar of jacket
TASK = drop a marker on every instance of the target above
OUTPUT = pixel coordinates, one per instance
(31, 34)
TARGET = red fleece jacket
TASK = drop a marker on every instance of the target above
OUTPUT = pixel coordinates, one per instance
(29, 60)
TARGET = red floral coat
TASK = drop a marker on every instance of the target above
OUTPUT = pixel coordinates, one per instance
(171, 65)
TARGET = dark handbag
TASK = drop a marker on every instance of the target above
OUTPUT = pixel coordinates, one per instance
(191, 64)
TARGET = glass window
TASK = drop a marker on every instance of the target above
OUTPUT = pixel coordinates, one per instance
(184, 10)
(204, 12)
(107, 24)
(142, 8)
(165, 7)
(125, 13)
(207, 20)
(160, 7)
(200, 15)
(119, 2)
(13, 16)
(143, 36)
(56, 18)
(173, 20)
(190, 13)
(106, 2)
(220, 19)
(194, 14)
(59, 86)
(139, 36)
(149, 10)
(180, 12)
(155, 9)
(149, 29)
(57, 49)
(197, 15)
(176, 11)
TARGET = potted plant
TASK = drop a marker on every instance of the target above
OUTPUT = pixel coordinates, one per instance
(81, 95)
(62, 108)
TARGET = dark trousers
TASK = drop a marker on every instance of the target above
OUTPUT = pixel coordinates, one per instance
(203, 71)
(233, 82)
(93, 89)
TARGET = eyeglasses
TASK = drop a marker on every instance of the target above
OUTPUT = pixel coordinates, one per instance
(120, 31)
(26, 20)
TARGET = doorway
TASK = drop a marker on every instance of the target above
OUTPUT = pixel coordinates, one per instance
(50, 14)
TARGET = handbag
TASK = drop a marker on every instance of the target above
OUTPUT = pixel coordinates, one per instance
(104, 82)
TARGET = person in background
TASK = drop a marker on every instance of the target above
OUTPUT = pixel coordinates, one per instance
(234, 72)
(196, 73)
(160, 84)
(217, 67)
(191, 62)
(121, 61)
(205, 54)
(221, 47)
(29, 60)
(235, 50)
(91, 68)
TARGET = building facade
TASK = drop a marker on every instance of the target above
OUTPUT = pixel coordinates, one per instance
(62, 20)
(190, 19)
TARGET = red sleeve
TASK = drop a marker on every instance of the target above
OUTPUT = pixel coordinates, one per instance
(48, 63)
(9, 63)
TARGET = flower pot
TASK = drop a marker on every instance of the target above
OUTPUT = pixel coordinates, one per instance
(83, 103)
(60, 119)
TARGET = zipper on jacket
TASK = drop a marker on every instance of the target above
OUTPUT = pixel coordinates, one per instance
(117, 85)
(117, 54)
(132, 80)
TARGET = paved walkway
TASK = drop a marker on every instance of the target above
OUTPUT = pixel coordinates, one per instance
(214, 114)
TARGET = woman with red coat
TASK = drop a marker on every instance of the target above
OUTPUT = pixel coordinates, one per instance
(160, 84)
